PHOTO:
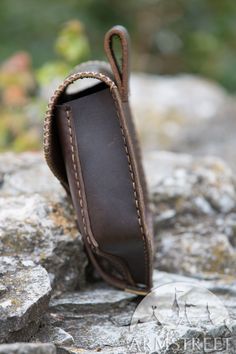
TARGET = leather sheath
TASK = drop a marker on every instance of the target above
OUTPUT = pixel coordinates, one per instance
(91, 146)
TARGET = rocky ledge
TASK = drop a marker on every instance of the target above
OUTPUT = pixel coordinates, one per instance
(48, 303)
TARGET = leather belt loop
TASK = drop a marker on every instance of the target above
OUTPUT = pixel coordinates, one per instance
(121, 73)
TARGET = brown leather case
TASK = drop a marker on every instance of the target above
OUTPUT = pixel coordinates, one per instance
(91, 146)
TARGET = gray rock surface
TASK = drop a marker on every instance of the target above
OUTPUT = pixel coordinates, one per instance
(194, 206)
(27, 174)
(54, 335)
(37, 221)
(184, 113)
(107, 329)
(26, 348)
(24, 298)
(95, 317)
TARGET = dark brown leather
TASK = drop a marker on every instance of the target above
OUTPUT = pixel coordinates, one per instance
(92, 148)
(121, 75)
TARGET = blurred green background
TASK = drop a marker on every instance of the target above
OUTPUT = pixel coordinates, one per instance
(41, 40)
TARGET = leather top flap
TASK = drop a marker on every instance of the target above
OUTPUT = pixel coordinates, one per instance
(93, 70)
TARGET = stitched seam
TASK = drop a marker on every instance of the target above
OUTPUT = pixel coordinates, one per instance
(68, 117)
(137, 206)
(112, 86)
(48, 117)
(58, 91)
(119, 264)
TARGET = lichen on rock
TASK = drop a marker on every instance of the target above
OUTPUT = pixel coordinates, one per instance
(37, 221)
(24, 300)
(194, 207)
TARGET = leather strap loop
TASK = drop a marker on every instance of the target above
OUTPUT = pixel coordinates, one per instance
(121, 74)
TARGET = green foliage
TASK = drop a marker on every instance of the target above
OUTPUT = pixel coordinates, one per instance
(72, 46)
(168, 37)
(50, 71)
(20, 129)
(72, 43)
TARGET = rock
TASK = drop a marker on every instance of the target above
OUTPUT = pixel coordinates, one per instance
(184, 113)
(194, 205)
(94, 317)
(27, 348)
(189, 253)
(173, 104)
(24, 299)
(37, 221)
(211, 330)
(166, 94)
(27, 174)
(93, 298)
(108, 330)
(54, 335)
(204, 186)
(73, 350)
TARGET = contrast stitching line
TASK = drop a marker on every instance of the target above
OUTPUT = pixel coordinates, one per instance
(58, 91)
(112, 86)
(137, 206)
(68, 117)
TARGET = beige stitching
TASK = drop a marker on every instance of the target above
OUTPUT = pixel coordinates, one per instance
(47, 135)
(68, 111)
(58, 91)
(134, 189)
